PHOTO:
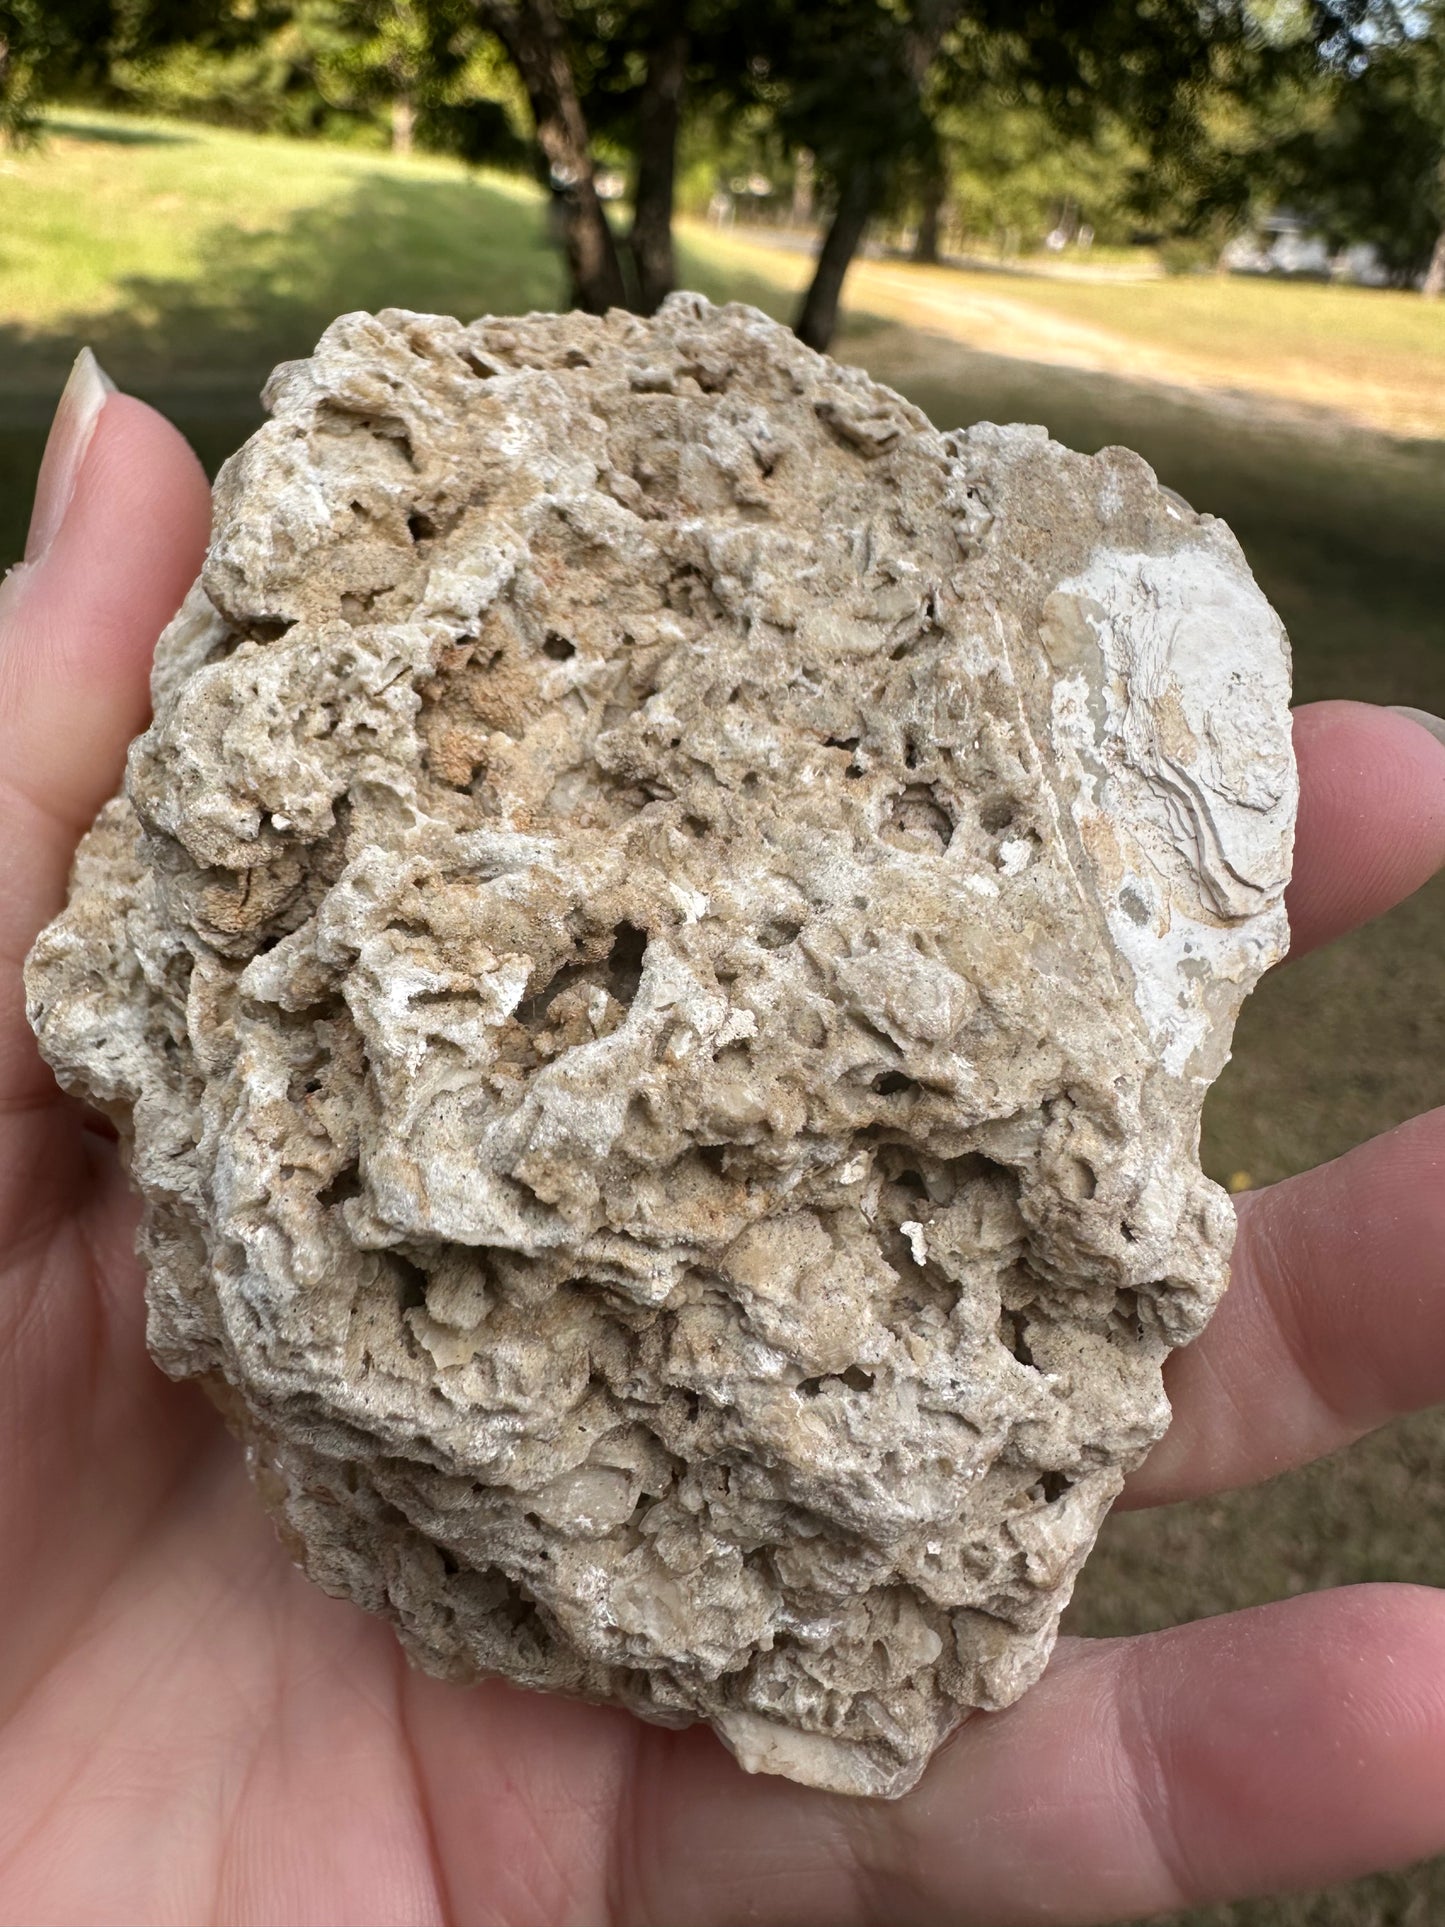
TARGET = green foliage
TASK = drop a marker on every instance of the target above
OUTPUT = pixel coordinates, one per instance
(1013, 175)
(1172, 121)
(719, 146)
(852, 82)
(22, 40)
(1019, 116)
(424, 66)
(1374, 169)
(350, 70)
(70, 47)
(275, 83)
(1168, 116)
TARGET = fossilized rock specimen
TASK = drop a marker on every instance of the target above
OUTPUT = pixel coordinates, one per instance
(657, 968)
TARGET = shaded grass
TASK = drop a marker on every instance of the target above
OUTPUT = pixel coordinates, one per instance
(197, 259)
(193, 260)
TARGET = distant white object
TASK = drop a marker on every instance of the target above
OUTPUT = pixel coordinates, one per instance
(1283, 245)
(1361, 264)
(1301, 254)
(611, 184)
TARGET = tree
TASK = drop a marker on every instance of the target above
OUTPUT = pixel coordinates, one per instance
(933, 197)
(872, 107)
(421, 69)
(863, 89)
(619, 72)
(69, 47)
(534, 34)
(18, 34)
(880, 60)
(397, 70)
(38, 43)
(1012, 174)
(872, 87)
(279, 79)
(659, 120)
(393, 60)
(1373, 171)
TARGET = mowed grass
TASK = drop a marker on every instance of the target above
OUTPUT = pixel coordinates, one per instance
(1370, 354)
(1253, 325)
(193, 260)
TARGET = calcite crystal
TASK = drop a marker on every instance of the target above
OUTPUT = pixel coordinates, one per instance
(656, 970)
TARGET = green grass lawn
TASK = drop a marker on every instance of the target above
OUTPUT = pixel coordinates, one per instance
(192, 260)
(192, 257)
(1247, 320)
(1256, 330)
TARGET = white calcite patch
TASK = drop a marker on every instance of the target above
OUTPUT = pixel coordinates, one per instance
(1185, 766)
(656, 971)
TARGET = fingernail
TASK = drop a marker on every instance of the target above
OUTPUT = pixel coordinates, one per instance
(75, 418)
(1434, 724)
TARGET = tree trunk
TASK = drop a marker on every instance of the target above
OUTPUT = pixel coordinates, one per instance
(932, 19)
(860, 186)
(403, 123)
(925, 241)
(1433, 286)
(658, 115)
(535, 42)
(800, 211)
(818, 316)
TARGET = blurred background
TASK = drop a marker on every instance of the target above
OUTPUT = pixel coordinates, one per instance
(1213, 230)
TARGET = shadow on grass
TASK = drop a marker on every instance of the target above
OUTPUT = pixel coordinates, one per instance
(254, 298)
(116, 135)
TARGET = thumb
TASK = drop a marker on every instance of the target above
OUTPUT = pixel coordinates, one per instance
(117, 536)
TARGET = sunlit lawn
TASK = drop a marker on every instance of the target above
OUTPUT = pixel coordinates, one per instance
(121, 225)
(192, 260)
(1295, 337)
(1374, 357)
(1253, 323)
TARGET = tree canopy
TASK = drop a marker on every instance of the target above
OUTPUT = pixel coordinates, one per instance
(998, 115)
(1371, 169)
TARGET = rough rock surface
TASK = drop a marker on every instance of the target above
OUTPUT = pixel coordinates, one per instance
(657, 969)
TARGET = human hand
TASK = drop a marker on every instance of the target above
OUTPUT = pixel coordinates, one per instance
(190, 1731)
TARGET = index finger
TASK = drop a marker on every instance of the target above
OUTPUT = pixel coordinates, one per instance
(1371, 817)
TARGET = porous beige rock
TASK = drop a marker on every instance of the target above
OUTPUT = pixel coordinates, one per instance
(656, 969)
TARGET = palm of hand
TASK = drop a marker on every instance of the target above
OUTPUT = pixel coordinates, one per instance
(189, 1731)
